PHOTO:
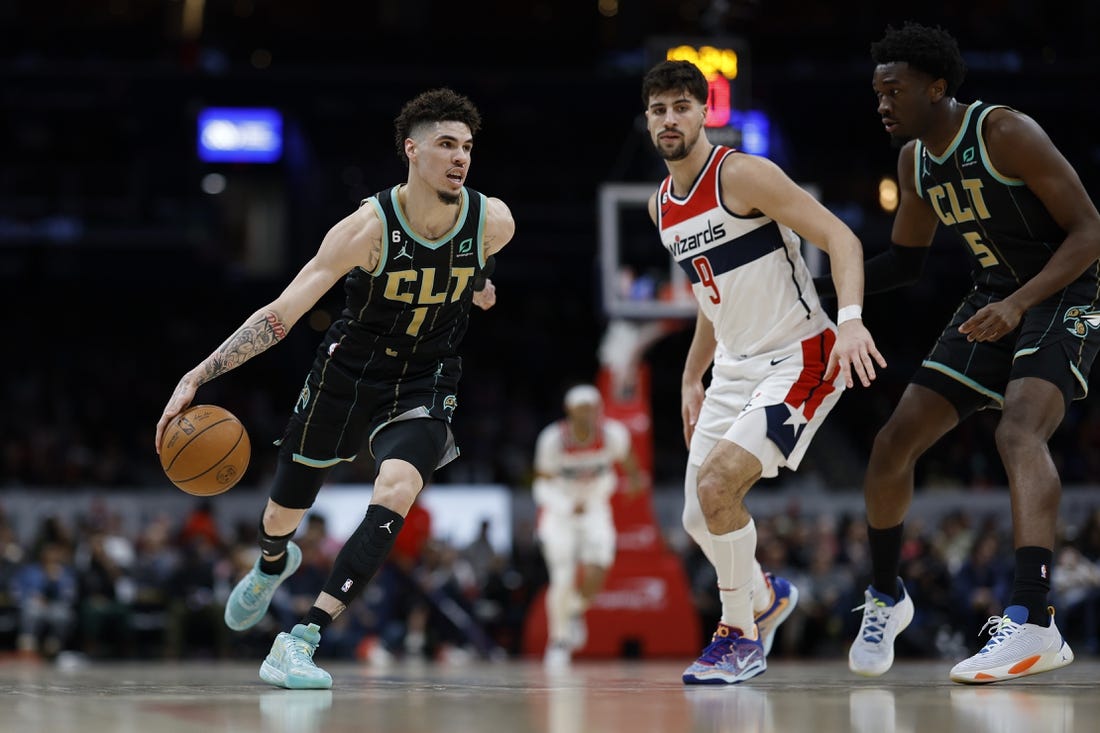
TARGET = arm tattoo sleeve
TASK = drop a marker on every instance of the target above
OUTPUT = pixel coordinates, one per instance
(255, 336)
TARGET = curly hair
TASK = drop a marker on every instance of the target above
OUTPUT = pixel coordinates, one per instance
(675, 76)
(436, 105)
(931, 50)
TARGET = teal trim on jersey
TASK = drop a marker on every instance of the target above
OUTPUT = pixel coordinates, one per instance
(1024, 352)
(446, 238)
(385, 240)
(958, 135)
(481, 230)
(962, 378)
(985, 154)
(314, 463)
(916, 168)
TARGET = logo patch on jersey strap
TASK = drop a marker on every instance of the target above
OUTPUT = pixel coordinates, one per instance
(968, 156)
(466, 246)
(1080, 319)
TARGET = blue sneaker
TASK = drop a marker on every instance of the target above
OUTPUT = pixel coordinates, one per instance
(290, 664)
(784, 599)
(728, 659)
(249, 600)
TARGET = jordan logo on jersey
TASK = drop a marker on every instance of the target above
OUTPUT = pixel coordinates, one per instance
(403, 253)
(1080, 319)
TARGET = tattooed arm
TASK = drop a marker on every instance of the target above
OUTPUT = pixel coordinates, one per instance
(353, 242)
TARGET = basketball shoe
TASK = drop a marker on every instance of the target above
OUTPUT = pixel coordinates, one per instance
(872, 653)
(250, 598)
(558, 655)
(784, 599)
(290, 664)
(1015, 649)
(728, 659)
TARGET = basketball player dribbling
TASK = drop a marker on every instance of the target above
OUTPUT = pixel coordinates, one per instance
(385, 377)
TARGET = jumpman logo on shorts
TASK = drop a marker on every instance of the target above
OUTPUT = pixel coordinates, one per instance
(386, 526)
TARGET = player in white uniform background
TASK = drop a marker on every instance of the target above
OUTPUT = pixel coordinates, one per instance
(779, 362)
(575, 476)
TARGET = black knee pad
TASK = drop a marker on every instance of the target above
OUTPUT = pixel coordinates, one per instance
(296, 485)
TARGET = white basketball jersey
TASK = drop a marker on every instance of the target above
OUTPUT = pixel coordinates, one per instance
(747, 272)
(582, 471)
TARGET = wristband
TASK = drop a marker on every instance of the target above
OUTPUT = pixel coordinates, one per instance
(849, 313)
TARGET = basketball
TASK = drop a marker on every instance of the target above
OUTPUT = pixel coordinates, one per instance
(205, 450)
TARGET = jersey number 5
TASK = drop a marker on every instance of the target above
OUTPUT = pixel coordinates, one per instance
(984, 254)
(706, 276)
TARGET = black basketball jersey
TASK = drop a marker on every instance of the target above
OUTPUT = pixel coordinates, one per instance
(1007, 231)
(415, 305)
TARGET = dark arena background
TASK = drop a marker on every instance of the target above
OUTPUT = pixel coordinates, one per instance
(167, 166)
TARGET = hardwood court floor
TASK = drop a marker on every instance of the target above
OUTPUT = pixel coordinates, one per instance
(521, 697)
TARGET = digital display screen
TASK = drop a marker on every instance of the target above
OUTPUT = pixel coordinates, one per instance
(240, 135)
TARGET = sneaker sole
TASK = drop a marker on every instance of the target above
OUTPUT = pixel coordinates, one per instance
(272, 675)
(1035, 664)
(720, 678)
(909, 610)
(294, 561)
(780, 615)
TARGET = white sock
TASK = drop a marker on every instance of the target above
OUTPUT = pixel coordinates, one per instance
(762, 595)
(735, 563)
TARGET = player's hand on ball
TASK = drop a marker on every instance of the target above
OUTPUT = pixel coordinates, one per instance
(180, 400)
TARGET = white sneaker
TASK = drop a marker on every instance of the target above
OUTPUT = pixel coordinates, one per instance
(872, 653)
(558, 656)
(1015, 649)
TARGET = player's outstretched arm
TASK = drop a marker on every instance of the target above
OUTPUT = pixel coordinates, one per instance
(340, 251)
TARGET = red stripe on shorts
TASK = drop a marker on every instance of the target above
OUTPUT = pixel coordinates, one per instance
(811, 388)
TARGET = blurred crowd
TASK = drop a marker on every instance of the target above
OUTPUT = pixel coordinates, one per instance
(94, 589)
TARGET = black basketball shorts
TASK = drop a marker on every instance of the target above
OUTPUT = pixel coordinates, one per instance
(1056, 341)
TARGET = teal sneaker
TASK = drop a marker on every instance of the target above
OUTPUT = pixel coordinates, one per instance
(290, 664)
(249, 600)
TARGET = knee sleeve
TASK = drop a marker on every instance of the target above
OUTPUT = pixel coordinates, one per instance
(296, 485)
(363, 553)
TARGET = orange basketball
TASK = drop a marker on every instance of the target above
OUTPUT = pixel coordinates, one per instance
(205, 450)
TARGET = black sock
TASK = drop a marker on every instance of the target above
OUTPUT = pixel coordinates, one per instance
(317, 616)
(885, 558)
(1032, 584)
(273, 567)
